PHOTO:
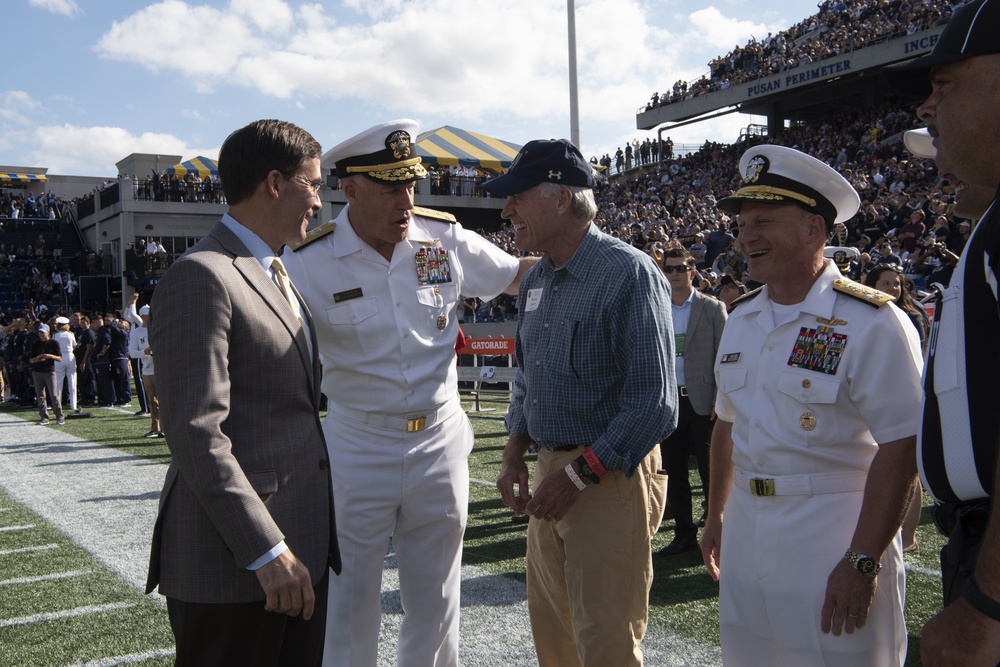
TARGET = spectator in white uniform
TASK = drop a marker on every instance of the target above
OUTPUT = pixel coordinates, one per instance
(140, 350)
(384, 287)
(812, 455)
(65, 367)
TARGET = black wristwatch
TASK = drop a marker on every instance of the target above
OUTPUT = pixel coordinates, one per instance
(865, 565)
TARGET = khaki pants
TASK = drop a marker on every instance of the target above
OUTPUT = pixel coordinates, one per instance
(589, 574)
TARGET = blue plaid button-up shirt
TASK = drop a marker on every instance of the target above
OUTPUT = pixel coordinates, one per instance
(595, 354)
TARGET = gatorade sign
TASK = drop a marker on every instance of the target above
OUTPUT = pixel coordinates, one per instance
(488, 346)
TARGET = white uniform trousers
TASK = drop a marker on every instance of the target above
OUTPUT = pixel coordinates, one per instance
(66, 369)
(777, 553)
(413, 487)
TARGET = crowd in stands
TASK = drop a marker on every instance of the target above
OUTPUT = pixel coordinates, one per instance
(34, 274)
(457, 180)
(841, 26)
(175, 188)
(637, 153)
(905, 216)
(25, 211)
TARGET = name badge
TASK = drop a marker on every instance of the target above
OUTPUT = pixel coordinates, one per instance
(348, 295)
(731, 358)
(534, 298)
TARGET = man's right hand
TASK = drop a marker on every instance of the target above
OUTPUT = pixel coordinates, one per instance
(513, 471)
(288, 586)
(711, 546)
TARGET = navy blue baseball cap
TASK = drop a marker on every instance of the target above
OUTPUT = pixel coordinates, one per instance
(543, 161)
(972, 31)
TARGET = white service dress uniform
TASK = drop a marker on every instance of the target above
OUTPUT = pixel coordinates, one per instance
(66, 367)
(809, 400)
(387, 332)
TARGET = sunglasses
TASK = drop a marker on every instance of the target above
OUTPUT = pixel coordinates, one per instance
(682, 268)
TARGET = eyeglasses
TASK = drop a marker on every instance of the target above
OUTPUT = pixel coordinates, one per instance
(317, 186)
(681, 268)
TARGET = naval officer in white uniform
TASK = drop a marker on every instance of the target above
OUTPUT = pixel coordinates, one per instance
(383, 281)
(812, 457)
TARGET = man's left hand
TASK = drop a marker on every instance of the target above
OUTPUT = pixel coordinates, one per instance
(288, 587)
(960, 635)
(849, 596)
(554, 497)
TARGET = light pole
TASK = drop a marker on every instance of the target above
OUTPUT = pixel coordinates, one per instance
(574, 107)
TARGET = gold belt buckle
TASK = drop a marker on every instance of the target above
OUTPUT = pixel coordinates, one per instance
(416, 424)
(762, 487)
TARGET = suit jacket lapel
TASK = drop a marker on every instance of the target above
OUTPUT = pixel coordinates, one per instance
(317, 371)
(261, 282)
(697, 306)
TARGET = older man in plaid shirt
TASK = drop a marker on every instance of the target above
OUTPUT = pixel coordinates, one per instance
(595, 391)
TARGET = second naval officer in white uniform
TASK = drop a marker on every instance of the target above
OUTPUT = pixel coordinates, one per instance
(813, 453)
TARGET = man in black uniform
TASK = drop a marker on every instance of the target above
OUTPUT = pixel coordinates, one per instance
(960, 431)
(102, 361)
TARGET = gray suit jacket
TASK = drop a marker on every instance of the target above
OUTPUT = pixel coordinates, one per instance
(701, 345)
(239, 398)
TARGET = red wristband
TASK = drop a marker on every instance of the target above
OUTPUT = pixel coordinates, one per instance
(594, 462)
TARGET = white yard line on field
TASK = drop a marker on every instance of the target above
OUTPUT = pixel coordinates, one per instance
(13, 529)
(45, 577)
(28, 550)
(68, 613)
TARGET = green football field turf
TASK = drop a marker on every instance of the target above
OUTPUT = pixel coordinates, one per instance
(60, 606)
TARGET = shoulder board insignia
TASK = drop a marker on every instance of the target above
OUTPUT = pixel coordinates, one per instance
(872, 297)
(434, 214)
(315, 234)
(746, 297)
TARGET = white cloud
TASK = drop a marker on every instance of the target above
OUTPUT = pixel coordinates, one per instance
(269, 15)
(64, 7)
(501, 64)
(17, 106)
(722, 33)
(200, 42)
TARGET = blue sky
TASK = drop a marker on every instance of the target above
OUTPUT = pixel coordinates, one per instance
(90, 81)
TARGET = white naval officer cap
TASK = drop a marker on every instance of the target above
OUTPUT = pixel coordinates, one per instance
(842, 256)
(779, 175)
(144, 310)
(920, 143)
(386, 153)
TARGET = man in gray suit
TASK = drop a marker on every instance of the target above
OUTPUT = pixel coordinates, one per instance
(245, 531)
(698, 322)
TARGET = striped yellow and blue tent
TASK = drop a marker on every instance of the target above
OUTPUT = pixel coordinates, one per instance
(200, 165)
(451, 145)
(23, 178)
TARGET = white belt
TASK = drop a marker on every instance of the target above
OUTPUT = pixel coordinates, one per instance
(409, 422)
(799, 485)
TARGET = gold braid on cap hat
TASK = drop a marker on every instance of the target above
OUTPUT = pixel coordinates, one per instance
(383, 167)
(768, 192)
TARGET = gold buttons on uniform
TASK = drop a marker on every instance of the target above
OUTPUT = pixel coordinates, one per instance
(442, 321)
(806, 383)
(807, 421)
